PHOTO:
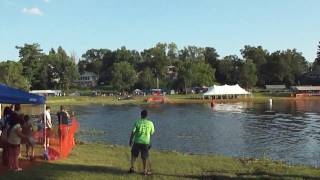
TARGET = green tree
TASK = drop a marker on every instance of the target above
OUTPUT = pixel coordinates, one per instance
(276, 69)
(52, 51)
(316, 63)
(211, 57)
(82, 65)
(123, 76)
(297, 63)
(284, 67)
(228, 70)
(101, 61)
(191, 74)
(30, 56)
(108, 59)
(156, 59)
(147, 80)
(52, 74)
(192, 53)
(259, 56)
(202, 74)
(184, 75)
(92, 60)
(56, 71)
(41, 78)
(172, 52)
(11, 74)
(130, 56)
(248, 74)
(61, 53)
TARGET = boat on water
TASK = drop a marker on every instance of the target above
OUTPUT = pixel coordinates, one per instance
(156, 99)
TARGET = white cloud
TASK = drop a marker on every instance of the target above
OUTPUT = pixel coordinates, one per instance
(33, 11)
(46, 1)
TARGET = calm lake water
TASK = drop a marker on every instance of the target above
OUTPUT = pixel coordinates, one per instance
(247, 129)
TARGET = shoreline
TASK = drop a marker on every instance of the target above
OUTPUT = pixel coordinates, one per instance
(244, 158)
(171, 99)
(106, 161)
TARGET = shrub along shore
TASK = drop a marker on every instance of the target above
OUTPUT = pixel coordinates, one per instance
(140, 100)
(103, 161)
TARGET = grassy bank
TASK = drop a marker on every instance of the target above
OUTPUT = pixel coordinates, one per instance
(139, 100)
(87, 100)
(100, 161)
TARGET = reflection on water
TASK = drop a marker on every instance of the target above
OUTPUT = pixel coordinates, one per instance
(291, 133)
(233, 108)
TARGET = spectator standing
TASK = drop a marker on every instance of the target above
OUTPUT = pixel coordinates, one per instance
(140, 141)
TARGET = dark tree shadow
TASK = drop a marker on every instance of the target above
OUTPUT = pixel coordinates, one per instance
(88, 169)
(47, 170)
(218, 175)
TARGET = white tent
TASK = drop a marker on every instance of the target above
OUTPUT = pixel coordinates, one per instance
(46, 92)
(216, 90)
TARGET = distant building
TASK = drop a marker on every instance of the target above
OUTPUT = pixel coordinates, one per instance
(87, 79)
(276, 88)
(306, 90)
(311, 78)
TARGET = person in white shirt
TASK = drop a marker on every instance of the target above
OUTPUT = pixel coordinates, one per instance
(48, 125)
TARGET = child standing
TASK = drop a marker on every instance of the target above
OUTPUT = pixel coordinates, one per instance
(27, 131)
(14, 140)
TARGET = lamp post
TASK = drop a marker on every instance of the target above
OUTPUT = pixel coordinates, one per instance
(157, 80)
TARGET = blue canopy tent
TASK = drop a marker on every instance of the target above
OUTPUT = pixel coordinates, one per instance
(9, 95)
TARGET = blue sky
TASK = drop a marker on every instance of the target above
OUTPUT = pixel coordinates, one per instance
(227, 25)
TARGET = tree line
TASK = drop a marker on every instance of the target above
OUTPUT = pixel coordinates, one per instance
(37, 70)
(173, 68)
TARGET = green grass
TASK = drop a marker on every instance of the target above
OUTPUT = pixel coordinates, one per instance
(85, 100)
(101, 161)
(139, 100)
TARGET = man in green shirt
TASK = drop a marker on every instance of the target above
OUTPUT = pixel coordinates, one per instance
(142, 130)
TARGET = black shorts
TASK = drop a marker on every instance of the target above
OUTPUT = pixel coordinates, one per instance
(142, 148)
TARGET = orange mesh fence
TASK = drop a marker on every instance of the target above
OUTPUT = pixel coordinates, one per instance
(61, 140)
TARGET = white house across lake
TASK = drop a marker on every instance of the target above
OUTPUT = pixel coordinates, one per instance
(87, 79)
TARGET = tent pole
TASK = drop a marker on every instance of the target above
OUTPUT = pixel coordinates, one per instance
(0, 111)
(45, 130)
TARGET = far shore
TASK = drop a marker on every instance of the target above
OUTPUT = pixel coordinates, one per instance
(170, 99)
